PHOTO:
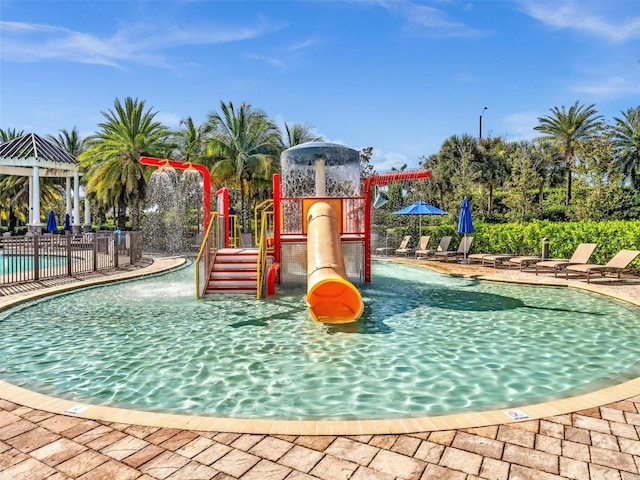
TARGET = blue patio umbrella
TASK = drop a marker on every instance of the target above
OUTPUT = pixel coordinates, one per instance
(51, 222)
(67, 222)
(465, 223)
(420, 208)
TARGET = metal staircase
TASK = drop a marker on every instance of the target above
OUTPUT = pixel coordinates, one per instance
(234, 272)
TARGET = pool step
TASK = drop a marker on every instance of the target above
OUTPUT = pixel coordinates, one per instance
(234, 272)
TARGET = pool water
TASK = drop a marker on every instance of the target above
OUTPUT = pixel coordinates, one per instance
(23, 263)
(427, 344)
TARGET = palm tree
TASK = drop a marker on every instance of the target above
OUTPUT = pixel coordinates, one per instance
(566, 128)
(190, 142)
(493, 161)
(626, 141)
(300, 133)
(10, 134)
(69, 141)
(113, 157)
(246, 143)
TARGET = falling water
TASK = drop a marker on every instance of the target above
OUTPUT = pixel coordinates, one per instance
(172, 211)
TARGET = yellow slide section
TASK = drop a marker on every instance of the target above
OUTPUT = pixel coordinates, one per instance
(331, 297)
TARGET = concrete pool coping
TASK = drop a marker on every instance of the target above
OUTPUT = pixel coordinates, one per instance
(625, 291)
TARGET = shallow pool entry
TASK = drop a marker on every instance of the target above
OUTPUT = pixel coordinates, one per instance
(426, 344)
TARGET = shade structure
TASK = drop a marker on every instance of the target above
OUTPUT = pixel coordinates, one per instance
(465, 222)
(67, 223)
(51, 222)
(420, 208)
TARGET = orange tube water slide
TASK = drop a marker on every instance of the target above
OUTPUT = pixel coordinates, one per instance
(331, 297)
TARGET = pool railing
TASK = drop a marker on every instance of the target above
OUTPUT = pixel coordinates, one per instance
(34, 258)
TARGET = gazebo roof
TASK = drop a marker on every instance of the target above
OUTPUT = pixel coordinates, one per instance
(18, 156)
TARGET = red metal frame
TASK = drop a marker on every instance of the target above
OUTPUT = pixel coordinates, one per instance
(380, 180)
(276, 217)
(206, 193)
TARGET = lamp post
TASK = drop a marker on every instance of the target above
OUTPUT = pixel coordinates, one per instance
(481, 113)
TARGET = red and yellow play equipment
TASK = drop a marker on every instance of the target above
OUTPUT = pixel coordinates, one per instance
(316, 231)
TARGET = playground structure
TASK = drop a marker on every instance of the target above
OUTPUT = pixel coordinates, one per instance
(316, 230)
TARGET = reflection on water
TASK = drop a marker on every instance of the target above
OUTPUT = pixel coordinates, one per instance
(426, 344)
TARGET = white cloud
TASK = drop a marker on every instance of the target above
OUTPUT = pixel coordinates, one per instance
(384, 161)
(137, 44)
(425, 20)
(607, 88)
(584, 17)
(521, 125)
(169, 119)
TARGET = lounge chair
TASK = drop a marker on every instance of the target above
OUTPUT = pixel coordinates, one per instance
(422, 250)
(404, 249)
(492, 259)
(581, 255)
(443, 245)
(463, 249)
(524, 261)
(617, 265)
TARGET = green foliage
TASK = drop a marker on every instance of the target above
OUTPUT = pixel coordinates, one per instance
(564, 237)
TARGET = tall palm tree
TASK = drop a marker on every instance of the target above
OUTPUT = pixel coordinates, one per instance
(626, 141)
(112, 158)
(300, 133)
(566, 128)
(190, 142)
(244, 142)
(493, 161)
(69, 141)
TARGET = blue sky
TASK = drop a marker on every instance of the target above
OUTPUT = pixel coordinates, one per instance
(400, 76)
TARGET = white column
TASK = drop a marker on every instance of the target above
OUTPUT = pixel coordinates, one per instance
(36, 198)
(76, 202)
(87, 214)
(321, 178)
(68, 193)
(30, 216)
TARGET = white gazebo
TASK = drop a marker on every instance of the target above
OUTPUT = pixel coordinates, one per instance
(36, 157)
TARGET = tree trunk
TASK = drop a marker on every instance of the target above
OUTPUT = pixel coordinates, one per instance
(122, 214)
(568, 198)
(135, 215)
(490, 203)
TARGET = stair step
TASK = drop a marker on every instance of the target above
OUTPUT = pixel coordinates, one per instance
(230, 291)
(234, 272)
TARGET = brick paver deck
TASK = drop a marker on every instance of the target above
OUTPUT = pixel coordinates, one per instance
(601, 443)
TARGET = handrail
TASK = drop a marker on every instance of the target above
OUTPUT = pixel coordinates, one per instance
(210, 245)
(266, 219)
(257, 215)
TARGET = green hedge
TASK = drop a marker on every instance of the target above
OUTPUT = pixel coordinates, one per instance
(526, 239)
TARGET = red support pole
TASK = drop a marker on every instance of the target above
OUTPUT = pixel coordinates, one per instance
(276, 217)
(206, 177)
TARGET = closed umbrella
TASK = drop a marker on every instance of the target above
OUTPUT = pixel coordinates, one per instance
(420, 208)
(51, 222)
(465, 223)
(67, 223)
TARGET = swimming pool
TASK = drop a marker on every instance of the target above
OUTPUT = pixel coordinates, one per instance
(21, 263)
(427, 344)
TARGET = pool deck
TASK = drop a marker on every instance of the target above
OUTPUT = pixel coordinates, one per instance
(594, 436)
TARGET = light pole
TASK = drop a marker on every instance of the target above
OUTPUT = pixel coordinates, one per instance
(481, 113)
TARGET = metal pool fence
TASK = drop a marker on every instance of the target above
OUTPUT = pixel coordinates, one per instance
(33, 258)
